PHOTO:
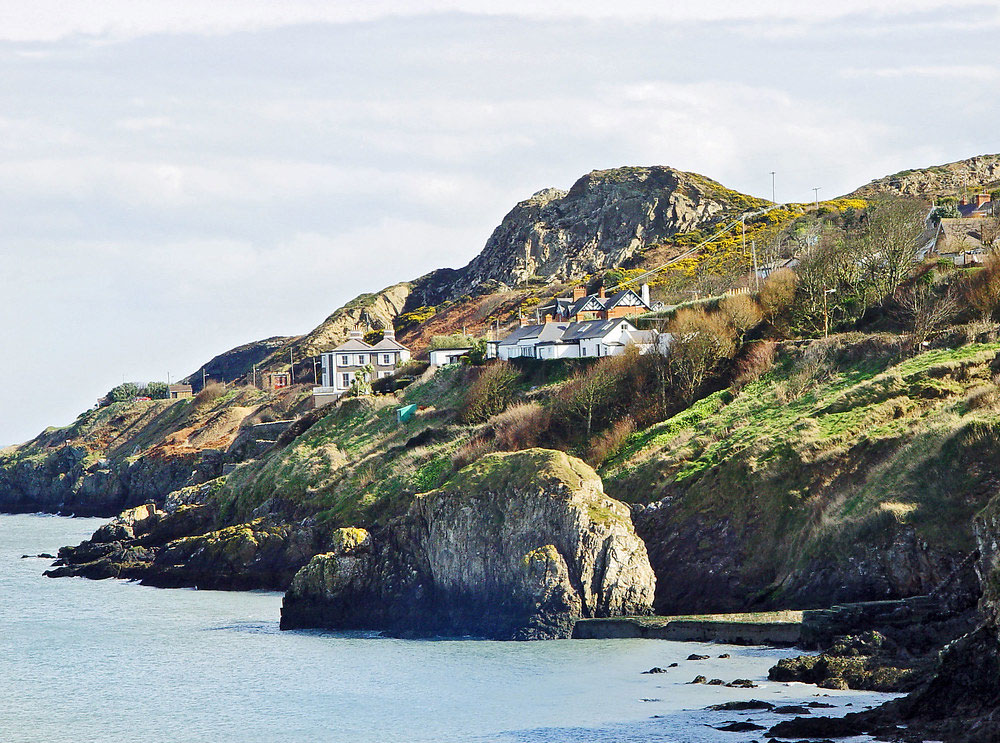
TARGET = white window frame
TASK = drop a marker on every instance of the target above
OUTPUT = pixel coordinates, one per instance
(345, 379)
(345, 360)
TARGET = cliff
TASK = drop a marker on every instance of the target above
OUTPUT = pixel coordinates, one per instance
(514, 546)
(952, 179)
(607, 218)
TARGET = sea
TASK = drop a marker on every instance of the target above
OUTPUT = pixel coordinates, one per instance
(112, 661)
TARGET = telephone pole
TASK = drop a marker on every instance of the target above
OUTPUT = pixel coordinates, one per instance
(816, 195)
(773, 199)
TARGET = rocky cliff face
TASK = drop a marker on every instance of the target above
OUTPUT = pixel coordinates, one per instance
(515, 546)
(982, 171)
(606, 218)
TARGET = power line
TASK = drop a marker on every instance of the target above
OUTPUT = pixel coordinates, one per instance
(696, 248)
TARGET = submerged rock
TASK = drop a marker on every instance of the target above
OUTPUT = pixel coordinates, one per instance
(515, 546)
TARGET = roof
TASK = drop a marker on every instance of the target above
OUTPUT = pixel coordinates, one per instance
(389, 344)
(550, 331)
(617, 297)
(593, 329)
(352, 345)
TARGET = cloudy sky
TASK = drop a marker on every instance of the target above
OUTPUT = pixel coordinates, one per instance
(181, 177)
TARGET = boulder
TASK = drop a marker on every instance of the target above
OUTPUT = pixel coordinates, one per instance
(515, 546)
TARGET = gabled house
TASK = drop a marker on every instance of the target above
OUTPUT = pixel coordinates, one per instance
(582, 307)
(978, 207)
(592, 338)
(342, 365)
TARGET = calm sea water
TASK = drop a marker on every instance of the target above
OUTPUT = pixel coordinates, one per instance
(113, 661)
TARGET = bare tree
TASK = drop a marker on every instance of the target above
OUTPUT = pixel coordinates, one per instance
(925, 310)
(589, 390)
(700, 342)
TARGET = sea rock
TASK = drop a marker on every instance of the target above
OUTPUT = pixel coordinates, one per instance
(515, 546)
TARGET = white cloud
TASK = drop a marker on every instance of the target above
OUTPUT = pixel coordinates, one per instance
(47, 20)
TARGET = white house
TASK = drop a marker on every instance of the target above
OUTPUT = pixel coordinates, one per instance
(593, 338)
(342, 365)
(446, 356)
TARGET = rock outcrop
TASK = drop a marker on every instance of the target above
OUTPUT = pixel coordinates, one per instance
(954, 178)
(605, 219)
(514, 546)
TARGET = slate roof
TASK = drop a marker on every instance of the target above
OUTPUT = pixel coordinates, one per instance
(550, 331)
(591, 329)
(389, 344)
(352, 345)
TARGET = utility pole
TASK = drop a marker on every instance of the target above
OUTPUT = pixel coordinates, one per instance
(743, 224)
(756, 273)
(816, 195)
(204, 377)
(773, 200)
(254, 375)
(291, 368)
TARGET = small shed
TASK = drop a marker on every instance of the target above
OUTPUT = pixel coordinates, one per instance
(276, 380)
(447, 356)
(406, 412)
(177, 391)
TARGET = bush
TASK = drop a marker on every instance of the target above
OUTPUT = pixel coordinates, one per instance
(455, 340)
(520, 426)
(155, 390)
(490, 393)
(610, 442)
(755, 361)
(472, 451)
(210, 393)
(124, 392)
(701, 341)
(982, 290)
(777, 294)
(743, 314)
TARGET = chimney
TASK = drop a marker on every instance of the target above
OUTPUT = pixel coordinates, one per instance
(963, 202)
(389, 333)
(600, 292)
(356, 334)
(523, 321)
(579, 293)
(982, 198)
(644, 293)
(548, 317)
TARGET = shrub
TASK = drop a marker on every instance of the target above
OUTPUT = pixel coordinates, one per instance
(610, 442)
(520, 426)
(701, 341)
(985, 397)
(777, 294)
(982, 290)
(742, 312)
(156, 390)
(586, 395)
(455, 340)
(490, 393)
(124, 392)
(210, 392)
(755, 361)
(472, 451)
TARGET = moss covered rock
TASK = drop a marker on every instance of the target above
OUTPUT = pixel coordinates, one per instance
(513, 546)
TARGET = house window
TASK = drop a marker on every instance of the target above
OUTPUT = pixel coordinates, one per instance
(362, 359)
(344, 361)
(346, 380)
(386, 359)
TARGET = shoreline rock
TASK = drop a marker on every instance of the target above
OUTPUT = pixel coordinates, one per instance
(515, 546)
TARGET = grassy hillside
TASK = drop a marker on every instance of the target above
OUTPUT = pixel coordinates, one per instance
(845, 457)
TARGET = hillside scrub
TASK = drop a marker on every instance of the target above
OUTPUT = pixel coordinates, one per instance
(490, 392)
(845, 453)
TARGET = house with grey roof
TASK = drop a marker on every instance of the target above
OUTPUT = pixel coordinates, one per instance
(342, 365)
(592, 338)
(601, 306)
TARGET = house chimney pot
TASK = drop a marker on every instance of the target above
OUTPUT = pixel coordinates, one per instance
(356, 334)
(548, 317)
(600, 292)
(389, 333)
(982, 198)
(644, 293)
(579, 293)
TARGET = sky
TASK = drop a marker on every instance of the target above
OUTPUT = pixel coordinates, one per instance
(178, 178)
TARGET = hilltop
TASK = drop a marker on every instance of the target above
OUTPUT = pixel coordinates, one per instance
(980, 173)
